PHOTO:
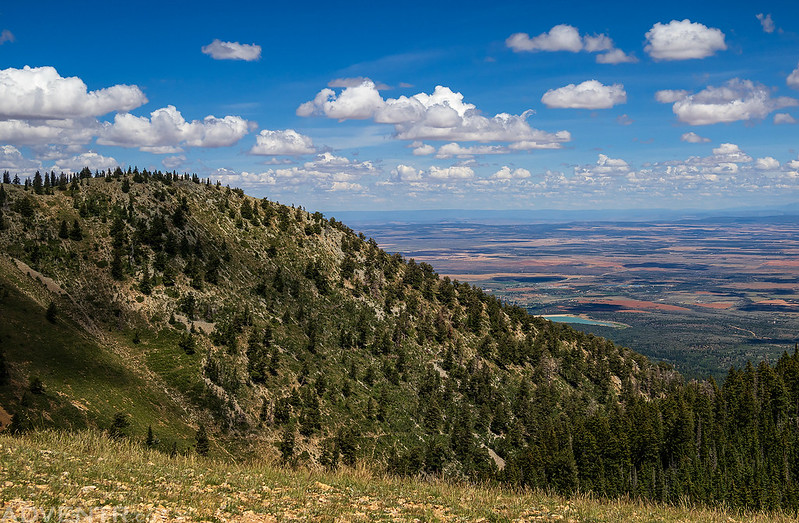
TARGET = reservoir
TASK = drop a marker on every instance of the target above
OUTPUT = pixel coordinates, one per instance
(565, 318)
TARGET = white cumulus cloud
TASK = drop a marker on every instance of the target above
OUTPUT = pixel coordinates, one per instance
(406, 173)
(442, 115)
(767, 164)
(456, 172)
(287, 142)
(219, 50)
(41, 93)
(12, 160)
(565, 37)
(506, 173)
(616, 56)
(692, 137)
(326, 172)
(604, 167)
(560, 38)
(668, 96)
(166, 131)
(793, 78)
(590, 94)
(92, 160)
(454, 149)
(6, 36)
(40, 132)
(423, 149)
(683, 40)
(784, 118)
(736, 100)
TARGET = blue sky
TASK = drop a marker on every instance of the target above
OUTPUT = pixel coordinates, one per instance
(585, 105)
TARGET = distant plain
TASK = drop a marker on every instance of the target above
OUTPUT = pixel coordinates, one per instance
(701, 294)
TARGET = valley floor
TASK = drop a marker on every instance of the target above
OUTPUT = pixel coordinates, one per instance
(87, 476)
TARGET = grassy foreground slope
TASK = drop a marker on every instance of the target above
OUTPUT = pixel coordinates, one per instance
(86, 473)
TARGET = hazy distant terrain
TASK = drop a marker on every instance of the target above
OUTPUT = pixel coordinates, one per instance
(700, 293)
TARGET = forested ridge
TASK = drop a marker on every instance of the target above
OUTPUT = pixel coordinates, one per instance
(254, 326)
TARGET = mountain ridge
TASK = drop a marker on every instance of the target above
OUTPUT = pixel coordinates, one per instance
(280, 331)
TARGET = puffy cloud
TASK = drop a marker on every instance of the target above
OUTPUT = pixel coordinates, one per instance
(567, 38)
(38, 132)
(287, 142)
(783, 118)
(505, 173)
(560, 38)
(735, 100)
(442, 115)
(41, 93)
(730, 152)
(173, 162)
(423, 149)
(325, 169)
(456, 172)
(692, 137)
(605, 166)
(219, 50)
(668, 96)
(92, 160)
(354, 103)
(683, 40)
(596, 43)
(406, 173)
(346, 187)
(793, 78)
(768, 163)
(244, 178)
(326, 172)
(12, 160)
(616, 56)
(6, 36)
(166, 131)
(766, 22)
(590, 94)
(453, 149)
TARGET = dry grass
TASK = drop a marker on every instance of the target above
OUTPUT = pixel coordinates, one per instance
(88, 476)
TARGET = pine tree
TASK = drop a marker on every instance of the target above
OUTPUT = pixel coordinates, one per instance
(119, 425)
(51, 313)
(146, 284)
(4, 376)
(76, 233)
(117, 269)
(37, 183)
(150, 441)
(286, 445)
(63, 231)
(203, 444)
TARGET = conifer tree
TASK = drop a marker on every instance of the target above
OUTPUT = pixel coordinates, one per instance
(37, 183)
(63, 231)
(203, 444)
(76, 233)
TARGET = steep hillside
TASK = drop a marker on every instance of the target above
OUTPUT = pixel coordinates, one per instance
(148, 300)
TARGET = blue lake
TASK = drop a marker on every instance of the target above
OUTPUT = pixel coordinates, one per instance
(563, 318)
